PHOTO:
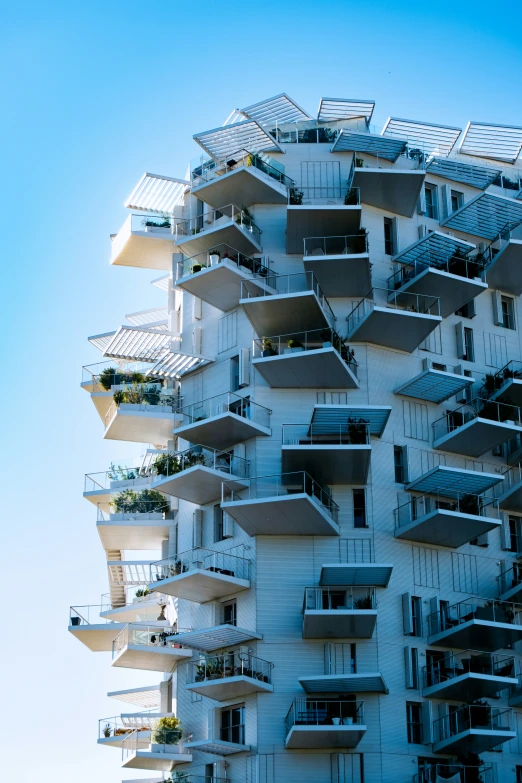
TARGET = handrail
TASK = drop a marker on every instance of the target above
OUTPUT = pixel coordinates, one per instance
(242, 158)
(329, 598)
(486, 609)
(213, 218)
(473, 716)
(311, 340)
(282, 285)
(419, 506)
(423, 304)
(218, 254)
(346, 195)
(228, 402)
(349, 244)
(115, 725)
(469, 662)
(476, 408)
(510, 578)
(144, 635)
(170, 463)
(355, 432)
(223, 562)
(81, 615)
(136, 504)
(436, 773)
(304, 712)
(232, 663)
(459, 266)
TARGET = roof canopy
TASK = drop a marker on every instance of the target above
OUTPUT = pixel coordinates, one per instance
(155, 193)
(138, 344)
(155, 316)
(467, 173)
(485, 216)
(333, 418)
(454, 481)
(222, 142)
(174, 365)
(276, 111)
(431, 139)
(344, 109)
(436, 245)
(497, 142)
(101, 341)
(380, 146)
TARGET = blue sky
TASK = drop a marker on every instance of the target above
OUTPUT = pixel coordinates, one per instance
(93, 95)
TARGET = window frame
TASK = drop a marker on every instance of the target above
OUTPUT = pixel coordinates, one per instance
(414, 722)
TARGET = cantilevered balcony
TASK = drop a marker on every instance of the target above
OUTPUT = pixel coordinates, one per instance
(222, 421)
(143, 609)
(452, 482)
(231, 675)
(467, 676)
(143, 415)
(339, 613)
(102, 379)
(394, 189)
(229, 225)
(476, 427)
(321, 212)
(114, 730)
(435, 385)
(291, 504)
(318, 359)
(346, 682)
(355, 574)
(200, 575)
(401, 323)
(282, 304)
(196, 474)
(99, 488)
(443, 521)
(504, 265)
(148, 647)
(515, 693)
(87, 625)
(146, 241)
(248, 177)
(215, 275)
(476, 624)
(506, 384)
(509, 493)
(473, 729)
(341, 264)
(510, 583)
(137, 520)
(455, 772)
(340, 455)
(163, 753)
(329, 723)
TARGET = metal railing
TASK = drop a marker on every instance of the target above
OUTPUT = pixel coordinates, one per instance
(334, 598)
(145, 636)
(204, 559)
(229, 664)
(123, 373)
(216, 218)
(437, 773)
(468, 662)
(119, 726)
(419, 506)
(221, 253)
(153, 224)
(476, 408)
(282, 485)
(385, 297)
(297, 342)
(326, 712)
(188, 777)
(162, 741)
(89, 614)
(510, 578)
(170, 463)
(112, 478)
(511, 371)
(485, 609)
(301, 195)
(462, 267)
(281, 285)
(228, 402)
(348, 245)
(242, 159)
(142, 400)
(355, 432)
(133, 504)
(473, 716)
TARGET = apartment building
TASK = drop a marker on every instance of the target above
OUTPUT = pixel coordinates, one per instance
(318, 552)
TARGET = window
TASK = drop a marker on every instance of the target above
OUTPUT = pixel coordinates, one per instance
(416, 615)
(229, 610)
(469, 351)
(508, 312)
(234, 373)
(388, 236)
(515, 534)
(334, 599)
(233, 724)
(218, 524)
(519, 773)
(398, 459)
(414, 668)
(468, 310)
(457, 200)
(430, 194)
(440, 367)
(359, 508)
(434, 667)
(414, 722)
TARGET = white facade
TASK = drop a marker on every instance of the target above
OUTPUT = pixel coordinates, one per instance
(319, 461)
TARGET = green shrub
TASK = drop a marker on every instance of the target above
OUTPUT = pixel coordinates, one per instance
(167, 731)
(144, 502)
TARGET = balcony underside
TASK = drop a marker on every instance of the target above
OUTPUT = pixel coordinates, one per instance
(505, 271)
(147, 697)
(400, 330)
(102, 402)
(319, 220)
(511, 390)
(285, 313)
(434, 385)
(200, 585)
(137, 612)
(324, 737)
(227, 233)
(478, 634)
(474, 741)
(153, 659)
(198, 484)
(286, 515)
(344, 683)
(165, 762)
(341, 275)
(468, 687)
(98, 637)
(151, 249)
(218, 285)
(447, 528)
(245, 185)
(222, 431)
(355, 574)
(515, 700)
(217, 747)
(329, 464)
(454, 291)
(316, 369)
(450, 482)
(100, 498)
(217, 637)
(511, 499)
(476, 437)
(394, 190)
(339, 623)
(512, 592)
(133, 534)
(129, 423)
(227, 688)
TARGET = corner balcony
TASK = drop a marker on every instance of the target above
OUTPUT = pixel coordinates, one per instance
(200, 575)
(142, 416)
(341, 264)
(443, 521)
(341, 457)
(145, 241)
(101, 394)
(228, 225)
(144, 609)
(401, 323)
(476, 624)
(476, 427)
(436, 773)
(318, 359)
(113, 731)
(504, 270)
(473, 729)
(138, 520)
(324, 724)
(395, 190)
(99, 488)
(510, 583)
(321, 212)
(339, 613)
(282, 304)
(164, 752)
(148, 647)
(244, 176)
(215, 276)
(197, 473)
(87, 625)
(435, 385)
(222, 421)
(232, 675)
(291, 504)
(454, 281)
(506, 384)
(468, 676)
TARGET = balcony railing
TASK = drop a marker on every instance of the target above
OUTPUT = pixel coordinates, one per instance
(225, 403)
(348, 245)
(132, 504)
(437, 773)
(281, 486)
(218, 254)
(476, 408)
(473, 716)
(205, 559)
(354, 598)
(153, 224)
(170, 463)
(229, 664)
(116, 727)
(302, 195)
(148, 397)
(280, 285)
(89, 614)
(297, 342)
(355, 432)
(145, 636)
(511, 371)
(466, 503)
(106, 479)
(326, 712)
(165, 740)
(116, 375)
(510, 578)
(384, 297)
(469, 662)
(462, 267)
(216, 218)
(485, 609)
(209, 171)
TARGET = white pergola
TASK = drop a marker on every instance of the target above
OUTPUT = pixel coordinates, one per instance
(345, 109)
(155, 193)
(430, 138)
(496, 142)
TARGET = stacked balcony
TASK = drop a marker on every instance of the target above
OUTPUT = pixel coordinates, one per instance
(137, 520)
(476, 624)
(341, 264)
(325, 724)
(504, 267)
(506, 384)
(228, 225)
(435, 385)
(393, 189)
(149, 648)
(164, 752)
(102, 379)
(142, 414)
(321, 212)
(468, 676)
(145, 241)
(509, 493)
(459, 773)
(85, 625)
(113, 731)
(339, 612)
(473, 729)
(100, 487)
(143, 609)
(230, 675)
(476, 427)
(510, 583)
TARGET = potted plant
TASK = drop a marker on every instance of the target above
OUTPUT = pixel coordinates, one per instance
(107, 731)
(469, 504)
(294, 346)
(296, 196)
(359, 163)
(352, 197)
(268, 348)
(357, 431)
(364, 602)
(214, 257)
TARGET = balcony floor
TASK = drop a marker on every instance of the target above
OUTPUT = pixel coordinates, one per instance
(140, 424)
(474, 741)
(198, 484)
(222, 431)
(226, 233)
(150, 249)
(285, 313)
(316, 369)
(319, 220)
(227, 688)
(329, 464)
(97, 637)
(149, 658)
(133, 533)
(447, 528)
(476, 437)
(286, 515)
(454, 290)
(341, 275)
(218, 285)
(476, 634)
(165, 762)
(400, 330)
(468, 687)
(391, 189)
(505, 273)
(200, 585)
(324, 737)
(246, 185)
(339, 623)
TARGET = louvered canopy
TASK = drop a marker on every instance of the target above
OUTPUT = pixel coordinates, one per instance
(496, 142)
(430, 138)
(451, 482)
(223, 142)
(344, 683)
(276, 111)
(162, 282)
(435, 246)
(147, 696)
(485, 216)
(344, 109)
(138, 344)
(155, 193)
(467, 173)
(155, 315)
(174, 365)
(327, 419)
(379, 146)
(101, 341)
(356, 574)
(216, 638)
(434, 385)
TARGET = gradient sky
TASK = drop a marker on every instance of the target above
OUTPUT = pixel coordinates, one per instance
(92, 95)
